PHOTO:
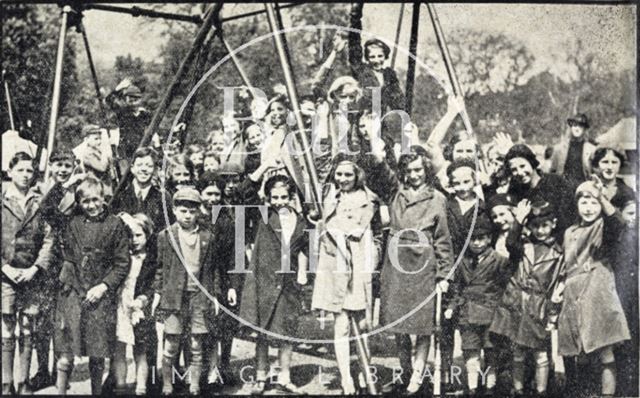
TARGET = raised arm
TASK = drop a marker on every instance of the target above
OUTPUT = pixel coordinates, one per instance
(355, 47)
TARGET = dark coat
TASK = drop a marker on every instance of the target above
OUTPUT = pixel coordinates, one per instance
(591, 317)
(460, 224)
(556, 190)
(171, 278)
(522, 313)
(95, 251)
(477, 286)
(392, 97)
(423, 265)
(265, 287)
(152, 206)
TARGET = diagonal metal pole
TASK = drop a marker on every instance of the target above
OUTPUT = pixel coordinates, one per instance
(7, 95)
(451, 72)
(413, 49)
(103, 113)
(172, 90)
(285, 64)
(394, 53)
(236, 63)
(55, 96)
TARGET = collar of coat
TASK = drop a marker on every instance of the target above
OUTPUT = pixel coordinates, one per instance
(33, 197)
(425, 192)
(273, 221)
(205, 237)
(365, 198)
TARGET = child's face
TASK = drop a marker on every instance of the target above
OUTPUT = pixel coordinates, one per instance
(376, 57)
(61, 170)
(171, 149)
(211, 164)
(94, 140)
(347, 96)
(211, 195)
(465, 149)
(180, 174)
(197, 158)
(278, 114)
(186, 216)
(254, 138)
(345, 177)
(629, 214)
(231, 127)
(496, 160)
(415, 173)
(542, 229)
(576, 130)
(217, 143)
(589, 208)
(479, 243)
(21, 174)
(139, 238)
(143, 169)
(231, 182)
(609, 166)
(279, 197)
(502, 217)
(92, 202)
(462, 182)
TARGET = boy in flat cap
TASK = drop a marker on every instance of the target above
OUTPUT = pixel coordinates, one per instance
(186, 276)
(524, 311)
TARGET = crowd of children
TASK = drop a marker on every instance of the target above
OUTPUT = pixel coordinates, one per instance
(537, 268)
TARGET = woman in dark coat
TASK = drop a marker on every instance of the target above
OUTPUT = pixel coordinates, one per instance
(271, 294)
(412, 267)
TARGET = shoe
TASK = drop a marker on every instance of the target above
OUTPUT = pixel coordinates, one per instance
(259, 387)
(41, 380)
(288, 388)
(24, 389)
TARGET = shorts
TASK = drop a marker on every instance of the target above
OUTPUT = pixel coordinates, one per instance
(191, 318)
(22, 298)
(475, 337)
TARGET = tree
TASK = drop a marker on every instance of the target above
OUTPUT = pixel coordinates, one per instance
(29, 44)
(484, 62)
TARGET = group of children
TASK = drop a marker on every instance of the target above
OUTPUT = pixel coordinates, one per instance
(528, 262)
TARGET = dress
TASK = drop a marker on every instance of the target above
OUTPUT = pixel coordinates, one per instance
(125, 312)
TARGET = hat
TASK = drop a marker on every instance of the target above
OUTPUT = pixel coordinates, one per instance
(187, 194)
(500, 199)
(339, 83)
(231, 168)
(522, 151)
(579, 119)
(540, 209)
(482, 226)
(89, 129)
(132, 91)
(588, 188)
(379, 43)
(61, 154)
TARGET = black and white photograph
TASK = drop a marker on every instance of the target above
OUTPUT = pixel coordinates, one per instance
(320, 198)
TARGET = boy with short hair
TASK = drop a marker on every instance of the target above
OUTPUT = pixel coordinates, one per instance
(142, 196)
(185, 277)
(27, 245)
(96, 262)
(477, 287)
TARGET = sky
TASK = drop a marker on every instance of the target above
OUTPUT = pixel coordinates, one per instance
(543, 28)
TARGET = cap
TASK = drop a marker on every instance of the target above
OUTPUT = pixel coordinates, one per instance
(500, 199)
(579, 119)
(541, 209)
(187, 194)
(379, 43)
(89, 129)
(588, 188)
(132, 91)
(482, 226)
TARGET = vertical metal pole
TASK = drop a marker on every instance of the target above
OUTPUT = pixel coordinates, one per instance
(413, 48)
(9, 108)
(293, 98)
(57, 81)
(394, 52)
